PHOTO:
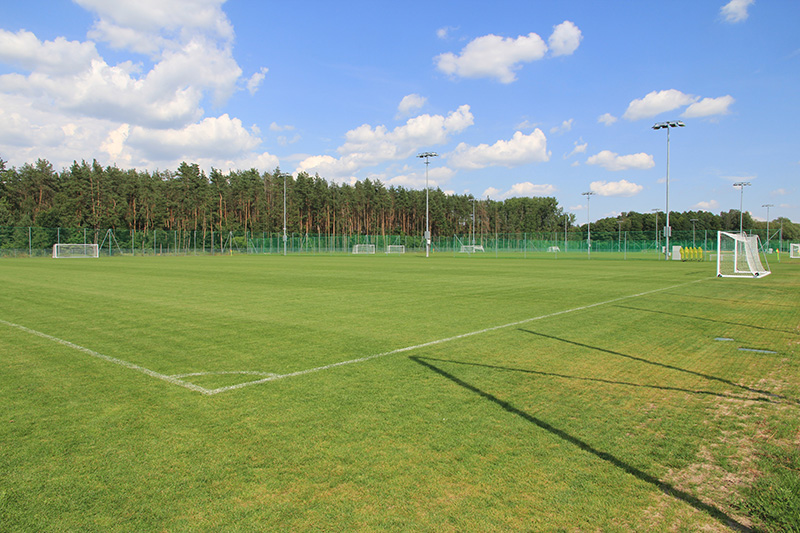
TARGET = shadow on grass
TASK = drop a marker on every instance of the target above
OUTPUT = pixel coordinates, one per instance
(586, 447)
(692, 317)
(664, 365)
(608, 381)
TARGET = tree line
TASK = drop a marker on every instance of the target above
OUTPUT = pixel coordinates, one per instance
(92, 196)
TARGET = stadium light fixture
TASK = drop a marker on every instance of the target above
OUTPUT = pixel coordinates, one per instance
(588, 195)
(693, 222)
(741, 185)
(658, 126)
(427, 156)
(767, 206)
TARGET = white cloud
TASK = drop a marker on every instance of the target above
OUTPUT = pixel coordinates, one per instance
(564, 127)
(655, 103)
(736, 10)
(366, 146)
(57, 57)
(565, 39)
(492, 56)
(409, 104)
(709, 106)
(519, 150)
(221, 137)
(613, 161)
(607, 119)
(524, 189)
(579, 149)
(415, 179)
(277, 127)
(621, 188)
(444, 32)
(255, 80)
(706, 206)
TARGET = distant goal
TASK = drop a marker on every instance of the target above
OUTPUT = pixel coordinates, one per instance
(740, 256)
(471, 248)
(364, 249)
(74, 251)
(396, 249)
(794, 250)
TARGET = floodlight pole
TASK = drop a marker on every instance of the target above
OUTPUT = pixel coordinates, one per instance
(768, 206)
(658, 241)
(588, 195)
(667, 125)
(693, 221)
(473, 220)
(284, 215)
(619, 243)
(427, 156)
(741, 185)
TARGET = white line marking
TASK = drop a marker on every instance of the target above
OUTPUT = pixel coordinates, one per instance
(174, 379)
(440, 341)
(126, 364)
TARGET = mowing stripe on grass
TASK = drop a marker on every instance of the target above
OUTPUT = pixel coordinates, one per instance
(441, 341)
(126, 364)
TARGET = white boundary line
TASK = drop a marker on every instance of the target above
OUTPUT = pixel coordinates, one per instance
(440, 341)
(274, 377)
(169, 379)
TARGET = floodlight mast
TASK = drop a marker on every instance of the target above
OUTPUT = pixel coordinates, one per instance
(667, 125)
(426, 156)
(693, 220)
(588, 195)
(768, 206)
(741, 185)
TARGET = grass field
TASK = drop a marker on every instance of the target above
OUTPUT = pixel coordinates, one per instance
(397, 393)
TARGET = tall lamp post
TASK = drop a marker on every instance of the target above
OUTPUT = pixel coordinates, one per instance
(588, 195)
(741, 185)
(284, 214)
(619, 244)
(473, 200)
(693, 221)
(667, 125)
(658, 241)
(427, 156)
(768, 206)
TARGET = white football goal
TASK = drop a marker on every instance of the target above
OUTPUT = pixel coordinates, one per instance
(396, 249)
(794, 250)
(66, 251)
(740, 256)
(471, 248)
(364, 249)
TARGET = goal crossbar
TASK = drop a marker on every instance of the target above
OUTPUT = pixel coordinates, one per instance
(73, 251)
(740, 256)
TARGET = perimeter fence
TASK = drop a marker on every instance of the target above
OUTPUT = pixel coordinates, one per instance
(35, 241)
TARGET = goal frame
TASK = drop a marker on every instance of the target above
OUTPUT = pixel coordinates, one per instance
(471, 248)
(745, 256)
(794, 250)
(396, 249)
(82, 251)
(363, 249)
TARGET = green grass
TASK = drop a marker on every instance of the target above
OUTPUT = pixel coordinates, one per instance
(616, 411)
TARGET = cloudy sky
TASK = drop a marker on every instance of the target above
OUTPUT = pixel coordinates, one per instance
(518, 98)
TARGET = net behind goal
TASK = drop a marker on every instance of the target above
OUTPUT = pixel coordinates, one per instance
(396, 249)
(794, 250)
(67, 251)
(739, 256)
(364, 249)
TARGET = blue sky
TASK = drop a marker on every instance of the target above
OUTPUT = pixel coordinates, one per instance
(519, 98)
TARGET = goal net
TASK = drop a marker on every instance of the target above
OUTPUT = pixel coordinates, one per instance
(364, 249)
(65, 251)
(739, 256)
(396, 249)
(471, 248)
(794, 250)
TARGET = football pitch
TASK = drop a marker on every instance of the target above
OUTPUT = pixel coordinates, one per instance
(468, 393)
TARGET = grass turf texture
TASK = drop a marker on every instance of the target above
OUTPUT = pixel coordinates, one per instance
(623, 416)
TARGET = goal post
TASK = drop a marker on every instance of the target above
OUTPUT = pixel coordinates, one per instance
(364, 249)
(74, 251)
(740, 256)
(395, 249)
(794, 250)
